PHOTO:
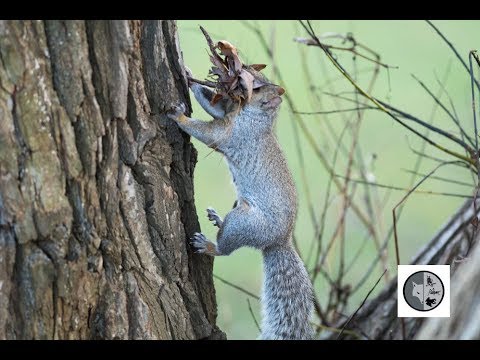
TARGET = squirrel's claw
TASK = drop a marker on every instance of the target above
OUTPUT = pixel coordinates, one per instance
(201, 245)
(177, 111)
(199, 242)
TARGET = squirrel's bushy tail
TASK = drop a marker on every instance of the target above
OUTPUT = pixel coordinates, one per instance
(287, 296)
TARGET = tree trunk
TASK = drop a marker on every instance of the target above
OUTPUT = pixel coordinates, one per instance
(96, 190)
(456, 244)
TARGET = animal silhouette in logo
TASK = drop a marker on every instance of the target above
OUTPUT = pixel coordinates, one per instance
(430, 302)
(417, 291)
(430, 281)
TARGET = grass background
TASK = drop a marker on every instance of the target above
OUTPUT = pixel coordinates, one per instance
(412, 46)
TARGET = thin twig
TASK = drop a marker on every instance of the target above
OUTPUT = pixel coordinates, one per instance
(335, 330)
(351, 49)
(474, 178)
(253, 316)
(450, 45)
(356, 256)
(426, 192)
(347, 199)
(444, 108)
(335, 234)
(472, 79)
(451, 181)
(204, 82)
(420, 158)
(326, 203)
(236, 287)
(333, 79)
(433, 158)
(336, 111)
(363, 302)
(404, 198)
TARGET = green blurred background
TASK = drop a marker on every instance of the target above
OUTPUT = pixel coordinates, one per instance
(414, 48)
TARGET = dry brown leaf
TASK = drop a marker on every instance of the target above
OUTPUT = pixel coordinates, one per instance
(216, 99)
(230, 51)
(238, 64)
(246, 80)
(217, 62)
(226, 48)
(231, 66)
(258, 67)
(233, 84)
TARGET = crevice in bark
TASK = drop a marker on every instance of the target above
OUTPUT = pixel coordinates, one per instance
(24, 150)
(47, 253)
(14, 304)
(173, 58)
(131, 237)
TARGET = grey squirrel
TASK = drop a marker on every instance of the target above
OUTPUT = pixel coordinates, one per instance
(264, 214)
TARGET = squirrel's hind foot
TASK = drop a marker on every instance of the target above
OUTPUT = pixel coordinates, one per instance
(203, 246)
(214, 217)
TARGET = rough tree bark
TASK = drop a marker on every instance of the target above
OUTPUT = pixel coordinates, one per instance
(96, 191)
(456, 244)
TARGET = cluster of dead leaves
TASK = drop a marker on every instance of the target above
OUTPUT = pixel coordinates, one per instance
(231, 77)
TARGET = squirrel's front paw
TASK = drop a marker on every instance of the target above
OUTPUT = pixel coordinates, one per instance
(202, 245)
(177, 112)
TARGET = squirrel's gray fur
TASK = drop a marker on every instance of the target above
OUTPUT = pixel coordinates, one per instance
(266, 206)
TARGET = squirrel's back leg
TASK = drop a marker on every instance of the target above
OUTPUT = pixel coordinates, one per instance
(214, 217)
(244, 225)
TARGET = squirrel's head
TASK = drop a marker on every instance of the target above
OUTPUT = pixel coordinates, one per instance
(266, 99)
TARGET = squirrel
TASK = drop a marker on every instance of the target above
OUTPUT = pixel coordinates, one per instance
(264, 213)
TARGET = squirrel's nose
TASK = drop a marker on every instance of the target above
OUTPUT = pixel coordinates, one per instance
(280, 90)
